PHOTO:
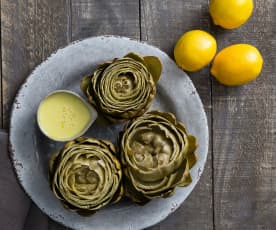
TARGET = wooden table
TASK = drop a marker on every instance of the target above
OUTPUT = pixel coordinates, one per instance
(238, 186)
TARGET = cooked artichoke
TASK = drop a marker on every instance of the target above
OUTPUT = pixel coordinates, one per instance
(156, 155)
(123, 88)
(85, 175)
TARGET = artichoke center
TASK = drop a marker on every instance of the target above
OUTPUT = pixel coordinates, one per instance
(124, 83)
(151, 149)
(85, 176)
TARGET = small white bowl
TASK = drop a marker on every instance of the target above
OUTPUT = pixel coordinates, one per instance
(92, 110)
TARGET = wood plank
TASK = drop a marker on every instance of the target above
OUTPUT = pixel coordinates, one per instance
(56, 226)
(1, 104)
(1, 93)
(31, 30)
(162, 24)
(244, 133)
(91, 18)
(1, 97)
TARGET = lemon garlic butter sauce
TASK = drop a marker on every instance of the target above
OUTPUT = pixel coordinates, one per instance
(63, 115)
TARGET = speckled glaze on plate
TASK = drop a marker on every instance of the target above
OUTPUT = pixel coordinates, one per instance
(31, 150)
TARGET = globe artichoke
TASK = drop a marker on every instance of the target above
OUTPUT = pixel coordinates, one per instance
(156, 155)
(85, 175)
(123, 88)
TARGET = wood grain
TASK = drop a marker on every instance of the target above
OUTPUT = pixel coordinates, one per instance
(242, 120)
(92, 18)
(1, 90)
(244, 133)
(30, 30)
(1, 94)
(162, 24)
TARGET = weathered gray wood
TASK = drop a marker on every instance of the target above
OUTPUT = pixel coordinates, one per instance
(162, 23)
(244, 118)
(56, 226)
(1, 98)
(1, 93)
(244, 133)
(91, 18)
(31, 30)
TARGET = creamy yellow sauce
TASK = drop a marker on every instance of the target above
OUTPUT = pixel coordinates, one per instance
(63, 116)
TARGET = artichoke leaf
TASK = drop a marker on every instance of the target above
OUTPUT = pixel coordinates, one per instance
(136, 57)
(154, 66)
(186, 179)
(85, 175)
(133, 194)
(85, 83)
(121, 89)
(157, 154)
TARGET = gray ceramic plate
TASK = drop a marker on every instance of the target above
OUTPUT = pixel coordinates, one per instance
(31, 150)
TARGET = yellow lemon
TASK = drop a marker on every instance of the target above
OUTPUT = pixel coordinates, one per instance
(237, 64)
(194, 50)
(230, 14)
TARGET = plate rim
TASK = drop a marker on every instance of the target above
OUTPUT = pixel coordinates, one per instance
(16, 164)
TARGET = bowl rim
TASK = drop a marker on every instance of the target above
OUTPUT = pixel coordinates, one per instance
(93, 115)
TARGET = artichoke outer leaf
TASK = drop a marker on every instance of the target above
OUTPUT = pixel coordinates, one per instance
(192, 144)
(118, 195)
(154, 66)
(85, 213)
(164, 194)
(169, 116)
(136, 57)
(52, 163)
(186, 179)
(133, 194)
(85, 83)
(192, 157)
